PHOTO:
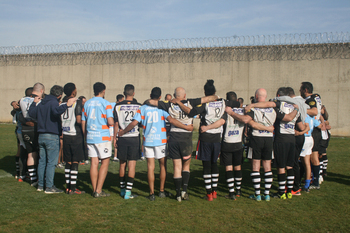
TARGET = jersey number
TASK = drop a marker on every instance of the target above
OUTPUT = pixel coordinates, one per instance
(152, 117)
(93, 115)
(65, 115)
(182, 115)
(129, 115)
(217, 112)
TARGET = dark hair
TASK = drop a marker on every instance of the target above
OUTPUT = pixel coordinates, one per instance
(69, 88)
(129, 90)
(119, 97)
(167, 96)
(231, 96)
(156, 93)
(56, 90)
(81, 97)
(28, 91)
(282, 91)
(209, 88)
(240, 99)
(290, 91)
(98, 88)
(308, 86)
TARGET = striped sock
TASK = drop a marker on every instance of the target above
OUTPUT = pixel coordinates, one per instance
(67, 175)
(256, 181)
(129, 183)
(32, 173)
(230, 182)
(238, 179)
(207, 176)
(122, 182)
(290, 180)
(268, 182)
(17, 167)
(73, 176)
(281, 183)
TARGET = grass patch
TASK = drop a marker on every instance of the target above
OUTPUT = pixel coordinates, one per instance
(24, 209)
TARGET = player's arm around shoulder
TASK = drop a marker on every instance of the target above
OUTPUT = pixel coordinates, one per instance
(178, 124)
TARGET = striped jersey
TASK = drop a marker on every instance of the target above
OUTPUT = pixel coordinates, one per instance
(69, 120)
(124, 113)
(315, 101)
(95, 113)
(153, 121)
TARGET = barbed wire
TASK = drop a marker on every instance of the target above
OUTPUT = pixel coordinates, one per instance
(287, 47)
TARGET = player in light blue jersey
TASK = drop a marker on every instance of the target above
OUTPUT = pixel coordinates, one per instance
(96, 119)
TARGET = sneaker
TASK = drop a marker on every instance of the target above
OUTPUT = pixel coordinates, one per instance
(164, 194)
(151, 197)
(280, 196)
(255, 197)
(320, 179)
(209, 197)
(184, 195)
(179, 198)
(128, 195)
(122, 192)
(289, 195)
(230, 196)
(60, 165)
(87, 162)
(143, 158)
(314, 187)
(82, 163)
(20, 180)
(35, 183)
(40, 188)
(238, 193)
(115, 159)
(266, 197)
(53, 190)
(101, 194)
(307, 190)
(77, 191)
(215, 194)
(296, 193)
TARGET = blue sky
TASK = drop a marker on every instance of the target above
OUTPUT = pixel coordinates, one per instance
(40, 22)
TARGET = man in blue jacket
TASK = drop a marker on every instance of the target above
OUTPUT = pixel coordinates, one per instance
(48, 112)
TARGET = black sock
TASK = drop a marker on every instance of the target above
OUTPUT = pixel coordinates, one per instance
(230, 182)
(73, 176)
(316, 173)
(17, 167)
(207, 175)
(178, 183)
(185, 180)
(129, 183)
(67, 175)
(281, 183)
(238, 179)
(290, 180)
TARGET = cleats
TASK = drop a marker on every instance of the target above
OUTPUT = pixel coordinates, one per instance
(164, 194)
(122, 192)
(209, 197)
(77, 191)
(20, 180)
(151, 197)
(266, 197)
(255, 197)
(184, 195)
(296, 193)
(214, 194)
(314, 187)
(280, 196)
(230, 196)
(289, 195)
(129, 195)
(101, 194)
(238, 193)
(179, 198)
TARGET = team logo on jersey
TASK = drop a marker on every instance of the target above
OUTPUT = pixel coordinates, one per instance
(312, 103)
(93, 127)
(153, 130)
(163, 151)
(106, 150)
(26, 137)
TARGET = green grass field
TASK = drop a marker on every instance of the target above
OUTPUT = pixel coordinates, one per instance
(23, 209)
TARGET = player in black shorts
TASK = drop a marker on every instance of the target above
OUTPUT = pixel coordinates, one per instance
(73, 140)
(326, 135)
(315, 103)
(128, 145)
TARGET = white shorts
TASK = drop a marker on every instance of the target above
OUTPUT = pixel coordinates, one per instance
(157, 152)
(20, 139)
(307, 147)
(101, 150)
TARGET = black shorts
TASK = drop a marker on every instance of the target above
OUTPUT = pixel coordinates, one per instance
(208, 151)
(30, 141)
(128, 148)
(260, 148)
(73, 148)
(234, 158)
(284, 153)
(317, 136)
(324, 145)
(180, 150)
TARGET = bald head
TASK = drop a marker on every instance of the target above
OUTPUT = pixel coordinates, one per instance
(38, 89)
(260, 95)
(180, 93)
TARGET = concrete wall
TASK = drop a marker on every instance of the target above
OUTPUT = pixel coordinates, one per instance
(330, 78)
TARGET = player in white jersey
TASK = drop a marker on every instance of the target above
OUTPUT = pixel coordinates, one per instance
(315, 103)
(128, 145)
(73, 150)
(96, 119)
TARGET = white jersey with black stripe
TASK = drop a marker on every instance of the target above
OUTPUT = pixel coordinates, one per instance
(234, 129)
(214, 111)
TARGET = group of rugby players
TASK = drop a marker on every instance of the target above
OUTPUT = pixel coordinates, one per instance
(290, 132)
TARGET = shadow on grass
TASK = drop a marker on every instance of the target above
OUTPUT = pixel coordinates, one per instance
(8, 164)
(338, 178)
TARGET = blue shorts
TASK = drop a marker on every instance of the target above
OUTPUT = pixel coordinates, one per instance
(208, 151)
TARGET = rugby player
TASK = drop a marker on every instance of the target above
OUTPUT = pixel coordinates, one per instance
(73, 144)
(96, 119)
(155, 138)
(128, 145)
